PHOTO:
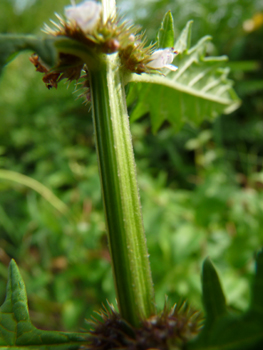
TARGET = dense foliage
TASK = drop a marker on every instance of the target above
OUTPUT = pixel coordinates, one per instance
(201, 189)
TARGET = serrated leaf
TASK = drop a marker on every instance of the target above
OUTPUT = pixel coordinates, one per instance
(213, 297)
(16, 329)
(198, 90)
(165, 37)
(183, 42)
(11, 45)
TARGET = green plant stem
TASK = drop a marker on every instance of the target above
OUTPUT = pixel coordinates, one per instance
(120, 193)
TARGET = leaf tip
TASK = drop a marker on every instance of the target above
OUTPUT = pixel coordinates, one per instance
(207, 262)
(14, 272)
(13, 265)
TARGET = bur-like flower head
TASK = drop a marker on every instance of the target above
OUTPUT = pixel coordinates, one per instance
(86, 14)
(170, 329)
(162, 59)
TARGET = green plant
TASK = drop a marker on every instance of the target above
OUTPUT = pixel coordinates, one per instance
(113, 55)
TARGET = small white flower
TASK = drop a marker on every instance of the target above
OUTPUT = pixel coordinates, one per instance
(86, 14)
(162, 59)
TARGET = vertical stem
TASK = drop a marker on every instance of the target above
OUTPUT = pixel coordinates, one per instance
(126, 236)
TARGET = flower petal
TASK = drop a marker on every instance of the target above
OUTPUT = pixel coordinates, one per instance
(162, 59)
(171, 67)
(85, 14)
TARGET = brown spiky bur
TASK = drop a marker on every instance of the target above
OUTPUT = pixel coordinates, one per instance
(170, 329)
(135, 54)
(69, 67)
(110, 331)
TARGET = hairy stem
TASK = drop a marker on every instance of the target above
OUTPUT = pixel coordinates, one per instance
(120, 193)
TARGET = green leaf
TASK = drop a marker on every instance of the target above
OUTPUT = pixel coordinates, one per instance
(16, 329)
(183, 43)
(213, 297)
(257, 289)
(198, 90)
(232, 333)
(228, 331)
(11, 45)
(47, 49)
(165, 37)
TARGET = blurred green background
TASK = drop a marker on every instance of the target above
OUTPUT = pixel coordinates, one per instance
(201, 189)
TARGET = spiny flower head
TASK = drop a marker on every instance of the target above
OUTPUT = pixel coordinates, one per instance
(84, 24)
(170, 329)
